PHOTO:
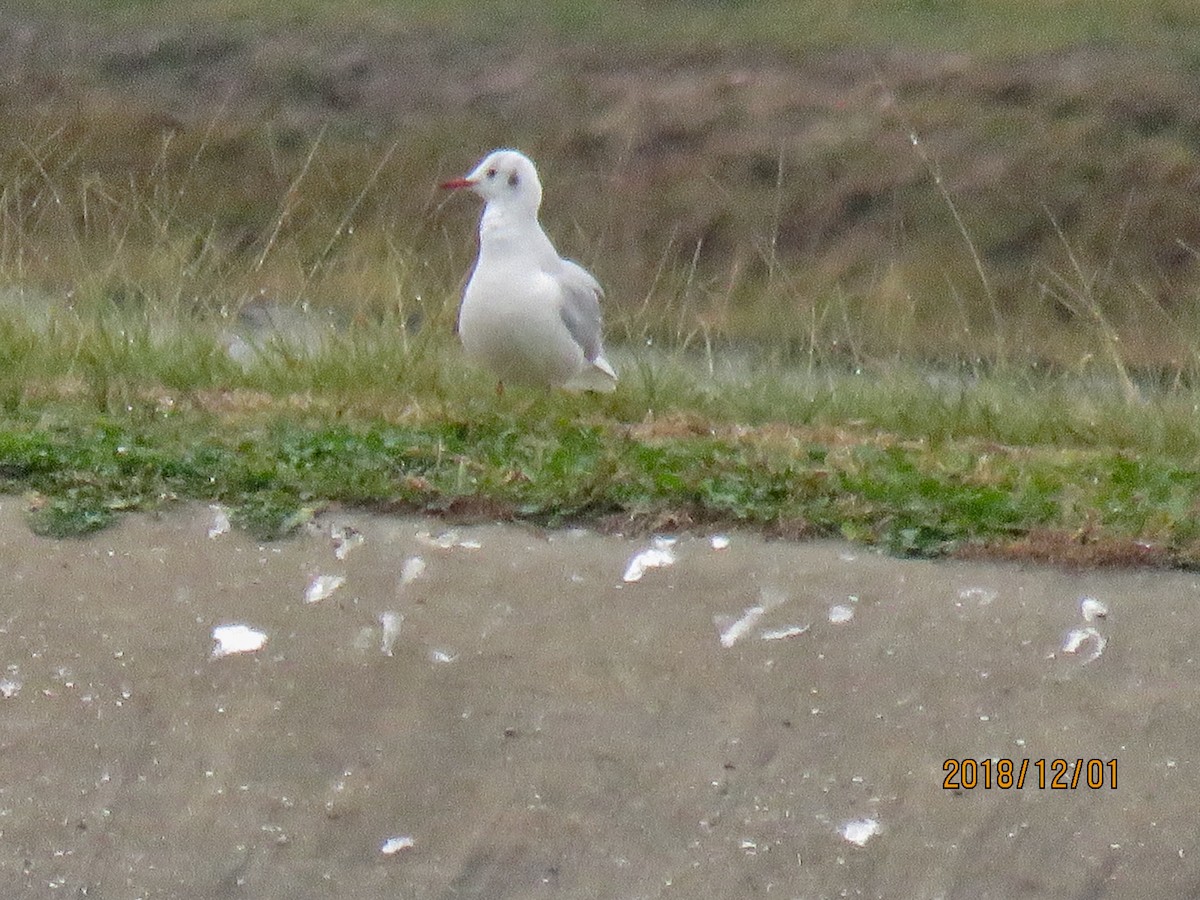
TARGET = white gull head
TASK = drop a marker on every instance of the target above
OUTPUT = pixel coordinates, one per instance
(507, 178)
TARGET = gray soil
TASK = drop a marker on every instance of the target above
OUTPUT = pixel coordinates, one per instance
(543, 728)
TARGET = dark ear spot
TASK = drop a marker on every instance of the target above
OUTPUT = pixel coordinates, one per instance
(513, 180)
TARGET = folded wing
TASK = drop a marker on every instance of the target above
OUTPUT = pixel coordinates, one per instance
(580, 311)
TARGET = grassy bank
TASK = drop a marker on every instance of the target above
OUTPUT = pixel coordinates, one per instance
(115, 412)
(935, 296)
(912, 497)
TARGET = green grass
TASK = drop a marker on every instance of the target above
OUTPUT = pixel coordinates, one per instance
(915, 461)
(911, 496)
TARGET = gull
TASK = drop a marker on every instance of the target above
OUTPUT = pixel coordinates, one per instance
(527, 314)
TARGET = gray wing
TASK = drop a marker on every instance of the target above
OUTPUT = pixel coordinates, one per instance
(581, 308)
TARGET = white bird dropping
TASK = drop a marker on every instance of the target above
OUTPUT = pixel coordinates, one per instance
(231, 639)
(658, 555)
(1092, 609)
(413, 568)
(220, 524)
(345, 539)
(841, 614)
(389, 623)
(859, 831)
(784, 633)
(731, 630)
(394, 845)
(1080, 638)
(322, 586)
(527, 314)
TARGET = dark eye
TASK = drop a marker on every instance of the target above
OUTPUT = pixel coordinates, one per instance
(491, 173)
(513, 180)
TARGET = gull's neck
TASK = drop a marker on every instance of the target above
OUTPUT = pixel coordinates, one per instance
(506, 231)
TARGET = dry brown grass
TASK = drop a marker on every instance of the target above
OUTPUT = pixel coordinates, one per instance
(1043, 212)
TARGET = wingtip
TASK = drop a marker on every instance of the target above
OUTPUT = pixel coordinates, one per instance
(606, 367)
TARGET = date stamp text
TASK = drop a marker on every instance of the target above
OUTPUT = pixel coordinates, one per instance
(1016, 774)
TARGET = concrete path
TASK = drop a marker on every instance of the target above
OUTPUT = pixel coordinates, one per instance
(510, 718)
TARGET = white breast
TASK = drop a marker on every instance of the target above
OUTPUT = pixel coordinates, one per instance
(511, 322)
